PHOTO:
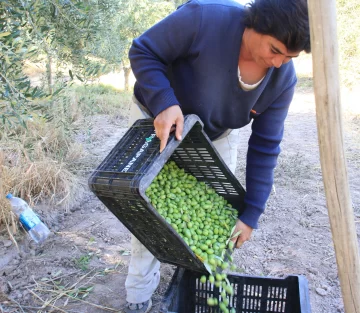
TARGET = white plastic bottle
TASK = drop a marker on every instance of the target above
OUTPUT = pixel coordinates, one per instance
(28, 218)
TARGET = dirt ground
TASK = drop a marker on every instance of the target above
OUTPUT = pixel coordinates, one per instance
(88, 254)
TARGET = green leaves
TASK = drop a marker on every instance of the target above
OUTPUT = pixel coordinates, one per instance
(31, 30)
(15, 89)
(92, 37)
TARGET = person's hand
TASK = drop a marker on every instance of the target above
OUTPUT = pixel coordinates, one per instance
(244, 235)
(166, 121)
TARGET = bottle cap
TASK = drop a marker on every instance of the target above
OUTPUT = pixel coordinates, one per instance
(9, 196)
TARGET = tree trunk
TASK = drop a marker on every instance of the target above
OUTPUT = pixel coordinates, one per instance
(49, 73)
(127, 72)
(322, 14)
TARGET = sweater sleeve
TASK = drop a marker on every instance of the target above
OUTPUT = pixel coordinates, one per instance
(152, 52)
(263, 150)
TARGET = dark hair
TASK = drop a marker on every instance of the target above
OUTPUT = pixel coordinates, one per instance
(286, 20)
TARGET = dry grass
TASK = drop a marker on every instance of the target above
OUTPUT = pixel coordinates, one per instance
(41, 163)
(42, 179)
(36, 165)
(6, 218)
(37, 180)
(100, 99)
(36, 161)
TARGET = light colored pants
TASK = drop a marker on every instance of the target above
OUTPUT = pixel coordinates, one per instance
(144, 269)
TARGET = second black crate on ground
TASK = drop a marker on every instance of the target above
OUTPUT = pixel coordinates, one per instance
(186, 294)
(121, 180)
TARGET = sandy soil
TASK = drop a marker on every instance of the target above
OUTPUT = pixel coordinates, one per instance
(88, 254)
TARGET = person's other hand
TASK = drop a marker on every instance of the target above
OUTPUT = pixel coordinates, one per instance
(165, 122)
(245, 233)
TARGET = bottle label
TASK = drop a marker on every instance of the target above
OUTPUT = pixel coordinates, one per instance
(29, 219)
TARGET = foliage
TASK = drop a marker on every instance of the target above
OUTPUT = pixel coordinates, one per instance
(82, 39)
(57, 32)
(131, 20)
(348, 12)
(15, 89)
(68, 31)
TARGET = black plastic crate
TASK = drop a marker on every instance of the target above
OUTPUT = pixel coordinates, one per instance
(186, 294)
(122, 178)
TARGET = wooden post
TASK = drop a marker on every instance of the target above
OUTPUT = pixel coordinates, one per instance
(322, 14)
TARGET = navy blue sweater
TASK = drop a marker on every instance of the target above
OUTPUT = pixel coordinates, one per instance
(190, 58)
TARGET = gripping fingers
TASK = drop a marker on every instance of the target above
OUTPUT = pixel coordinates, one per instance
(167, 121)
(163, 135)
(238, 243)
(179, 127)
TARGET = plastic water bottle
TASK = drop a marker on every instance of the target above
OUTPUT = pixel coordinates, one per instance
(28, 218)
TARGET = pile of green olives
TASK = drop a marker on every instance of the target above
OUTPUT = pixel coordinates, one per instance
(204, 220)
